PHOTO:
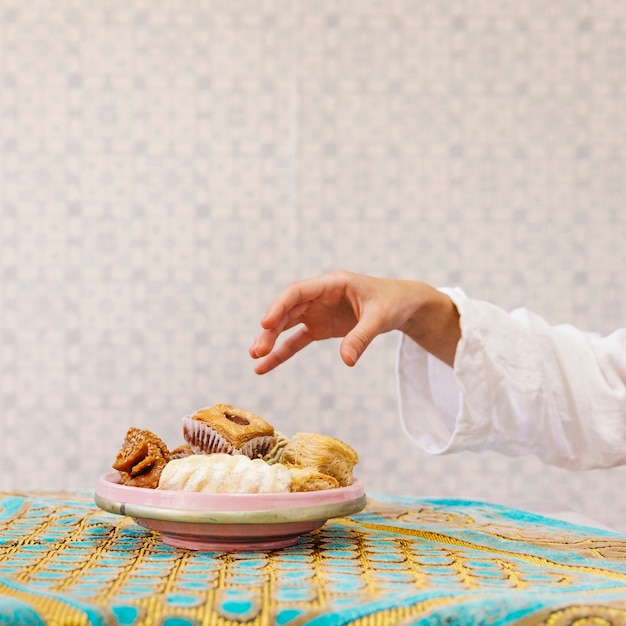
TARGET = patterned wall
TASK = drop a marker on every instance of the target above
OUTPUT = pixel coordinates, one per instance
(167, 166)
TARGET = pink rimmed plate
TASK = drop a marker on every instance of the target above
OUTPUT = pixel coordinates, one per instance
(228, 522)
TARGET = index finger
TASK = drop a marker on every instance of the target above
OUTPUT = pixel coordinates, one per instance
(279, 312)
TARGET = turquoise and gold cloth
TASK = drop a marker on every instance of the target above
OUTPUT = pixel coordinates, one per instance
(401, 561)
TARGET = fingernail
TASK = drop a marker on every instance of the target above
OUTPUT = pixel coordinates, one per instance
(351, 353)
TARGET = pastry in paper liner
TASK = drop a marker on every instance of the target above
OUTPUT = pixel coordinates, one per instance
(224, 428)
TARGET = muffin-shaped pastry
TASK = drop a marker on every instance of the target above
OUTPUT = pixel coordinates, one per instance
(325, 454)
(141, 458)
(224, 428)
(224, 473)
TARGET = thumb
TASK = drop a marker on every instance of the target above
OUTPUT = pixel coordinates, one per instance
(354, 344)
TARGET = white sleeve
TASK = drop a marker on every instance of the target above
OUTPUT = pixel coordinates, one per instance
(518, 386)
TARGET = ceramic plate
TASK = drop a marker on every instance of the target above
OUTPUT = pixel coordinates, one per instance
(226, 522)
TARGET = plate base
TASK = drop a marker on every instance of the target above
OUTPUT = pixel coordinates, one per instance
(198, 544)
(230, 538)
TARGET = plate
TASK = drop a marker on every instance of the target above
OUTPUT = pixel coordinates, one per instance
(228, 522)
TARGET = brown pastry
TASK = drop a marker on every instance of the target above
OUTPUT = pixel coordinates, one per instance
(225, 428)
(309, 479)
(181, 452)
(141, 459)
(323, 453)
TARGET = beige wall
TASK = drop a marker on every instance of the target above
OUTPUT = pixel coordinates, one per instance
(166, 167)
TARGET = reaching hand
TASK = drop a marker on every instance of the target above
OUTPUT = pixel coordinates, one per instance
(357, 308)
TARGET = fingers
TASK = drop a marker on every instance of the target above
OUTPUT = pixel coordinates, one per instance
(289, 302)
(263, 344)
(319, 305)
(266, 339)
(292, 344)
(284, 313)
(351, 349)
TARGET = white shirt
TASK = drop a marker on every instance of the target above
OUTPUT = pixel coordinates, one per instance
(518, 386)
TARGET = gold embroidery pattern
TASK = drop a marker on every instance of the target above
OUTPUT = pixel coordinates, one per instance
(400, 561)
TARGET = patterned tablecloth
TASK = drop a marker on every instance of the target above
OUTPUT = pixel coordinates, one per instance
(401, 561)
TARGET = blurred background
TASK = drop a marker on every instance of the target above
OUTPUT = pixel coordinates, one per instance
(167, 166)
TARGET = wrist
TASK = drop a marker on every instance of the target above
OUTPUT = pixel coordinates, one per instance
(434, 324)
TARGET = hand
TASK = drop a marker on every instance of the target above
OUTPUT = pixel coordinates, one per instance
(357, 308)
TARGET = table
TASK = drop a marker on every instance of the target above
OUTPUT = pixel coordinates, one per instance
(400, 561)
